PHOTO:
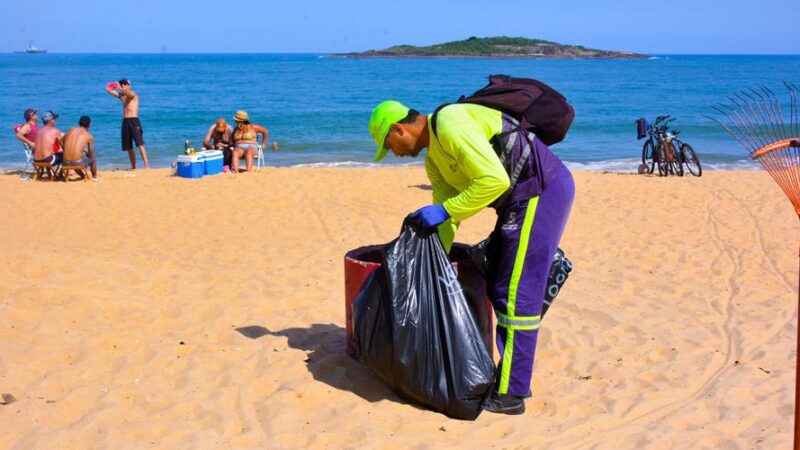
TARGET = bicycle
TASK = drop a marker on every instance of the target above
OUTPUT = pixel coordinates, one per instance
(688, 157)
(668, 154)
(651, 150)
(664, 150)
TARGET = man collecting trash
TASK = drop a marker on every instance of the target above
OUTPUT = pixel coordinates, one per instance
(467, 175)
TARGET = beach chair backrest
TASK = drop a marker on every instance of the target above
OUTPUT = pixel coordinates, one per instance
(26, 147)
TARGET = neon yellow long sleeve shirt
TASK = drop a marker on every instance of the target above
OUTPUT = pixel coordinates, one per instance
(465, 172)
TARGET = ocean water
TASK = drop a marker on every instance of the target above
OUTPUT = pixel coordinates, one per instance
(317, 108)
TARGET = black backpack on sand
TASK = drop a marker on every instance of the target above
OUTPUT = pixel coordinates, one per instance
(536, 106)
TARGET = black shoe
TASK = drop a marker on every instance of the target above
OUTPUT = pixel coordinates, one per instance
(504, 404)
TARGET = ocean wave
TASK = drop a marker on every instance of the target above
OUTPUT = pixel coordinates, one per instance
(744, 164)
(612, 165)
(357, 164)
(632, 165)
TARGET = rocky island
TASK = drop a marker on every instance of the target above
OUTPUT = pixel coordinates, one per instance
(494, 47)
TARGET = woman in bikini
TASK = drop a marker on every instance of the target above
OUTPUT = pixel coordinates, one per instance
(245, 140)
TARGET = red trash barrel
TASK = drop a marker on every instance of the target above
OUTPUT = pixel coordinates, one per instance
(360, 262)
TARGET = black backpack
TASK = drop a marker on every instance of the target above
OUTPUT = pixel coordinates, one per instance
(536, 106)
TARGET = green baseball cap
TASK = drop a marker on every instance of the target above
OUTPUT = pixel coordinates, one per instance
(383, 116)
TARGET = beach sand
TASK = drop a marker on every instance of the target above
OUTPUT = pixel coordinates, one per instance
(149, 310)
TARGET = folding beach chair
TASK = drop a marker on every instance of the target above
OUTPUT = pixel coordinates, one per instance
(28, 151)
(258, 157)
(28, 156)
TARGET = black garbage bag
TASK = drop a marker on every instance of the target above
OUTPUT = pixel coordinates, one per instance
(414, 328)
(484, 254)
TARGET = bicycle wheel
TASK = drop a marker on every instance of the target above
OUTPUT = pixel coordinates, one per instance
(661, 160)
(674, 159)
(689, 157)
(648, 156)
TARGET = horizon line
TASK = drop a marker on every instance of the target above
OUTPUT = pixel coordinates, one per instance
(48, 52)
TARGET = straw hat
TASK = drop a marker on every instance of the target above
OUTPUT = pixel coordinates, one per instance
(241, 116)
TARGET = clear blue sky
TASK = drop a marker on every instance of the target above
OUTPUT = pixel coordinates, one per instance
(680, 26)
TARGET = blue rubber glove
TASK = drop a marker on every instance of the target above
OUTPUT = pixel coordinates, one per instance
(431, 216)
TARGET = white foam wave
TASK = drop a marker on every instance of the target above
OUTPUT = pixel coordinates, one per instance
(744, 164)
(614, 165)
(632, 165)
(356, 164)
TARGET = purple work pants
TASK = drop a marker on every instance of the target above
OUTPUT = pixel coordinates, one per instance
(527, 234)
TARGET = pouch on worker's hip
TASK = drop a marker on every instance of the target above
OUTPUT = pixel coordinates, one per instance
(485, 255)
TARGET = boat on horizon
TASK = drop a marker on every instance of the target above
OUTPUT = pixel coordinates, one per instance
(32, 49)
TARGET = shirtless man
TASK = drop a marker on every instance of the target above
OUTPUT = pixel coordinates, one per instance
(131, 127)
(47, 138)
(75, 141)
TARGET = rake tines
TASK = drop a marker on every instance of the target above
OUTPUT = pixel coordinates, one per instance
(793, 89)
(771, 135)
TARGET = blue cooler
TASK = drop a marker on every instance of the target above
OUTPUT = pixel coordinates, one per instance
(191, 166)
(212, 161)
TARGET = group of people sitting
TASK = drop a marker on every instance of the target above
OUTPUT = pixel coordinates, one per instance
(236, 143)
(49, 145)
(76, 146)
